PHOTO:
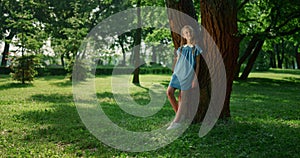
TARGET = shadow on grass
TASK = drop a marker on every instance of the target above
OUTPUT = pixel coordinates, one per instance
(60, 124)
(254, 130)
(53, 98)
(15, 85)
(285, 71)
(115, 113)
(263, 98)
(241, 138)
(64, 83)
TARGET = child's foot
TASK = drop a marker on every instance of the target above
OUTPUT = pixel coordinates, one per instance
(174, 125)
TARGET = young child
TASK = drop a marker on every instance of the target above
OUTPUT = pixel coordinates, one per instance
(185, 74)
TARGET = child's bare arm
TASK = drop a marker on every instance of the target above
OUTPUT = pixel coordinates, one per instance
(195, 81)
(174, 63)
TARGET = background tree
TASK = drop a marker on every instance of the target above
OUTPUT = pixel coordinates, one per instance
(275, 19)
(30, 38)
(12, 12)
(137, 45)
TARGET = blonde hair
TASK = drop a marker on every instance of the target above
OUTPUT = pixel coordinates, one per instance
(183, 40)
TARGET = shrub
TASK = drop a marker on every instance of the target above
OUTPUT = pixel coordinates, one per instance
(24, 68)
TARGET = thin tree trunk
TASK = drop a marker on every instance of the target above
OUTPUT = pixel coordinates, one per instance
(252, 60)
(123, 53)
(137, 46)
(297, 57)
(247, 53)
(6, 50)
(154, 56)
(287, 64)
(272, 59)
(62, 60)
(282, 52)
(5, 54)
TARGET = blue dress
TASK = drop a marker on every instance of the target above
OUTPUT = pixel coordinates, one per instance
(184, 70)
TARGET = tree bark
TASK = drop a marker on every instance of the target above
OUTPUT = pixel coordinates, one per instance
(219, 18)
(272, 59)
(154, 55)
(252, 59)
(298, 57)
(137, 46)
(62, 56)
(280, 54)
(123, 51)
(5, 54)
(186, 15)
(6, 49)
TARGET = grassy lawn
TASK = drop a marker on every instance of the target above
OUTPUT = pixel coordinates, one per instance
(41, 120)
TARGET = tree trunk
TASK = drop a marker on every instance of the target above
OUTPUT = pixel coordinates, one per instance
(252, 59)
(247, 53)
(272, 59)
(280, 54)
(6, 50)
(5, 54)
(154, 55)
(123, 52)
(187, 16)
(137, 46)
(219, 18)
(298, 57)
(62, 60)
(287, 63)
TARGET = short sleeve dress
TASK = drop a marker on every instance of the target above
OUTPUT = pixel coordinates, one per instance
(184, 70)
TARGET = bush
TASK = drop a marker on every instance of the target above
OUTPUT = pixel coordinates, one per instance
(24, 68)
(52, 71)
(60, 71)
(5, 70)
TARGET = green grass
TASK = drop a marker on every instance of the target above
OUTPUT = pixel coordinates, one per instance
(41, 120)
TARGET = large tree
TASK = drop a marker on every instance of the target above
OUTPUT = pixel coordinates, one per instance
(219, 18)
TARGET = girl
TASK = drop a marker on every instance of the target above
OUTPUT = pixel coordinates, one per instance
(185, 73)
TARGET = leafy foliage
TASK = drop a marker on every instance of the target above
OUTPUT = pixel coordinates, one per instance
(24, 68)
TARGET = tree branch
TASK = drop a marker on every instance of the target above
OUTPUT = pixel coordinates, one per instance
(288, 19)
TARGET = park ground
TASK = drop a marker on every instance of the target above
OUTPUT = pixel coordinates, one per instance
(40, 119)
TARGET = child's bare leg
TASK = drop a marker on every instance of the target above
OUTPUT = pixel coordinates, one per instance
(179, 98)
(172, 99)
(182, 109)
